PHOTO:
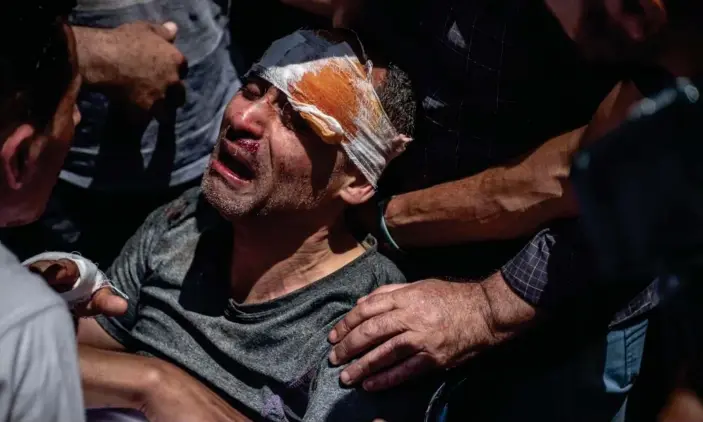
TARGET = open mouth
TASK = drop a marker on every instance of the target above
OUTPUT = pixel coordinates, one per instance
(237, 166)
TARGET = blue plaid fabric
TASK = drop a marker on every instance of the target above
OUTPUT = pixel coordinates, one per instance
(496, 79)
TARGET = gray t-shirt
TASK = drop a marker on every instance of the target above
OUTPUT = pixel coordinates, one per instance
(39, 378)
(268, 359)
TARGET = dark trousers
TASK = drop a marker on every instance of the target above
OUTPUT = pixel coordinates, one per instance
(94, 224)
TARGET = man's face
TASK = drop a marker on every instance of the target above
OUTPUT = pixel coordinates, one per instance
(612, 30)
(268, 159)
(46, 153)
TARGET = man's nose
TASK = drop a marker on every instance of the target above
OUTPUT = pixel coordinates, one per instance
(249, 117)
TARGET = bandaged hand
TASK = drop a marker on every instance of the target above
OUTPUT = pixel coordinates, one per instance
(78, 280)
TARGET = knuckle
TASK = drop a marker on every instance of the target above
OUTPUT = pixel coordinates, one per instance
(362, 311)
(391, 351)
(341, 350)
(177, 58)
(359, 369)
(433, 318)
(343, 326)
(376, 301)
(385, 357)
(141, 25)
(398, 343)
(385, 289)
(368, 329)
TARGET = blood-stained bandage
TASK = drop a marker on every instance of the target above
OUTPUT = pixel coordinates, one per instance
(327, 84)
(90, 278)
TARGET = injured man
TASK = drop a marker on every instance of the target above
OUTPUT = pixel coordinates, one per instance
(240, 282)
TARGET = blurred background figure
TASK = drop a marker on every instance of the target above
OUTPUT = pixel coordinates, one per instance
(656, 42)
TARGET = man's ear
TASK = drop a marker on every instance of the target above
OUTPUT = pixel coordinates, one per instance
(357, 192)
(14, 155)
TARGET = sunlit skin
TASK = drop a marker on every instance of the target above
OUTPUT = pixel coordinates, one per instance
(263, 160)
(269, 159)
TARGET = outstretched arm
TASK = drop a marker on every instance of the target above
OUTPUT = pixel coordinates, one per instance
(158, 389)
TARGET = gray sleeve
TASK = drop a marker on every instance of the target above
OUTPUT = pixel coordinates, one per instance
(39, 377)
(329, 401)
(128, 271)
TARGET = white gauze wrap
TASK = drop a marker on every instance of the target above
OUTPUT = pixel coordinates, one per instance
(327, 84)
(90, 279)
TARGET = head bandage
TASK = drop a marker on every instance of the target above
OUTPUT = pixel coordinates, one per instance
(327, 84)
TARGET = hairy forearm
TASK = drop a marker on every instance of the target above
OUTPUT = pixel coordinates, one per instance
(113, 379)
(95, 53)
(499, 203)
(505, 202)
(506, 313)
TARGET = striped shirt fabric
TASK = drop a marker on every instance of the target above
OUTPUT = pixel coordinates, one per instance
(109, 153)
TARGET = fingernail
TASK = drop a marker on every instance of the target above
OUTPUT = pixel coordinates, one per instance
(333, 336)
(171, 26)
(333, 357)
(368, 385)
(362, 299)
(346, 379)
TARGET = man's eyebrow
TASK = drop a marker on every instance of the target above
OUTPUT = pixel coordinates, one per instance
(255, 78)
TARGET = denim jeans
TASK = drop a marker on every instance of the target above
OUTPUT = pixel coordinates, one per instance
(591, 385)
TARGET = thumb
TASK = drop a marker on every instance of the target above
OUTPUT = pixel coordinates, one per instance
(167, 30)
(106, 303)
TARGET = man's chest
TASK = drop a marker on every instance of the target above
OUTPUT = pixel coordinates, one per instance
(266, 360)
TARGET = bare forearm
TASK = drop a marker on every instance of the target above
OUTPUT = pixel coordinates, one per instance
(113, 379)
(158, 389)
(499, 203)
(505, 202)
(95, 53)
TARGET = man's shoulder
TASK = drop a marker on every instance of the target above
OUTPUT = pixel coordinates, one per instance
(188, 208)
(383, 269)
(171, 233)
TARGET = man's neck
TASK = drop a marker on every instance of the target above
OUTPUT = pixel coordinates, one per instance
(272, 257)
